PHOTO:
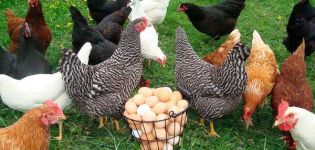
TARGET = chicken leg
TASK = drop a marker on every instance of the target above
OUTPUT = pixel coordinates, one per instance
(117, 126)
(60, 123)
(102, 122)
(202, 122)
(212, 132)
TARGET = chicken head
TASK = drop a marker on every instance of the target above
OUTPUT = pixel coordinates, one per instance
(33, 3)
(53, 113)
(142, 24)
(285, 119)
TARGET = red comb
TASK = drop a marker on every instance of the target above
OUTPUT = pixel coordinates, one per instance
(53, 105)
(282, 107)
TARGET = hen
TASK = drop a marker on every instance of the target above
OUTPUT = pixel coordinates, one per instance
(215, 20)
(262, 71)
(35, 89)
(299, 122)
(28, 60)
(35, 17)
(101, 49)
(213, 91)
(292, 86)
(218, 57)
(101, 8)
(102, 90)
(6, 60)
(149, 37)
(301, 26)
(111, 26)
(31, 132)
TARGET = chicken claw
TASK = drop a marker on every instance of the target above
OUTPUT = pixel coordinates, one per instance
(102, 122)
(212, 132)
(117, 126)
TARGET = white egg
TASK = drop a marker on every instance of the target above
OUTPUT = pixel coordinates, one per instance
(142, 109)
(167, 146)
(136, 133)
(173, 141)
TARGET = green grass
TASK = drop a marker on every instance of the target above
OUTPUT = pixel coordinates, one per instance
(268, 17)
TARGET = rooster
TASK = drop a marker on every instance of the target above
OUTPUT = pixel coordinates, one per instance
(35, 18)
(299, 122)
(31, 132)
(215, 20)
(292, 86)
(262, 71)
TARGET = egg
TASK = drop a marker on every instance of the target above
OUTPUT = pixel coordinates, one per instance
(145, 91)
(147, 137)
(136, 133)
(138, 99)
(182, 104)
(174, 140)
(167, 146)
(146, 127)
(158, 145)
(144, 146)
(181, 119)
(174, 129)
(149, 116)
(143, 109)
(151, 101)
(173, 98)
(160, 133)
(170, 104)
(135, 127)
(168, 89)
(161, 124)
(160, 108)
(126, 114)
(163, 95)
(178, 95)
(136, 117)
(131, 107)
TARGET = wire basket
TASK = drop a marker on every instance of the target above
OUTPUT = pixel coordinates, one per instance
(162, 134)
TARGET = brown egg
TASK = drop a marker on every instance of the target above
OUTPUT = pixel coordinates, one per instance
(144, 146)
(155, 91)
(160, 133)
(178, 95)
(182, 104)
(151, 101)
(131, 107)
(161, 124)
(170, 104)
(146, 127)
(174, 129)
(147, 137)
(145, 91)
(160, 108)
(173, 98)
(135, 117)
(158, 145)
(138, 99)
(149, 116)
(163, 95)
(181, 119)
(126, 114)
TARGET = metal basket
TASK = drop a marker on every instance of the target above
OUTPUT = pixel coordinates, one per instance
(154, 143)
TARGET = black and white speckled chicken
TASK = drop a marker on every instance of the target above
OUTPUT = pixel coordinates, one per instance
(213, 91)
(102, 90)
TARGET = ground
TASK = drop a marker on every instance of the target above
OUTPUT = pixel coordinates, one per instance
(268, 17)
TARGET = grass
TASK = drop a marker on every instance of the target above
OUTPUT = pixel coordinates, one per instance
(268, 17)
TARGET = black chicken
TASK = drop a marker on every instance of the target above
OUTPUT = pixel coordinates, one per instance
(111, 26)
(28, 60)
(101, 8)
(6, 60)
(301, 25)
(102, 49)
(215, 20)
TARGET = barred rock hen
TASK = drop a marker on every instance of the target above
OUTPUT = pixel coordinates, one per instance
(301, 25)
(28, 59)
(6, 60)
(35, 17)
(111, 26)
(292, 86)
(31, 132)
(213, 91)
(215, 20)
(262, 71)
(102, 90)
(101, 8)
(102, 49)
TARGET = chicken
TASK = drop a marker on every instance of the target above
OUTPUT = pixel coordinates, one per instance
(50, 86)
(155, 10)
(32, 130)
(291, 85)
(101, 49)
(301, 25)
(101, 8)
(262, 71)
(149, 37)
(102, 90)
(218, 57)
(213, 91)
(29, 60)
(299, 122)
(6, 60)
(215, 20)
(35, 18)
(111, 26)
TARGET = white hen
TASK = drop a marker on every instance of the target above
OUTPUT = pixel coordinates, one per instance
(32, 91)
(149, 37)
(155, 10)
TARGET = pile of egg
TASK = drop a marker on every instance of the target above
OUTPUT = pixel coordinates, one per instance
(151, 109)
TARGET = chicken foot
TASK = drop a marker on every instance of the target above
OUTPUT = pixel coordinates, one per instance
(212, 132)
(103, 121)
(60, 123)
(117, 126)
(202, 122)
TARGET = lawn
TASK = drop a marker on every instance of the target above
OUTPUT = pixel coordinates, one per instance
(268, 17)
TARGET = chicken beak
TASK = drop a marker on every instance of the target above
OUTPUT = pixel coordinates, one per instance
(277, 122)
(63, 117)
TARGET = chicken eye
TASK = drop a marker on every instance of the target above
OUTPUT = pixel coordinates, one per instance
(290, 115)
